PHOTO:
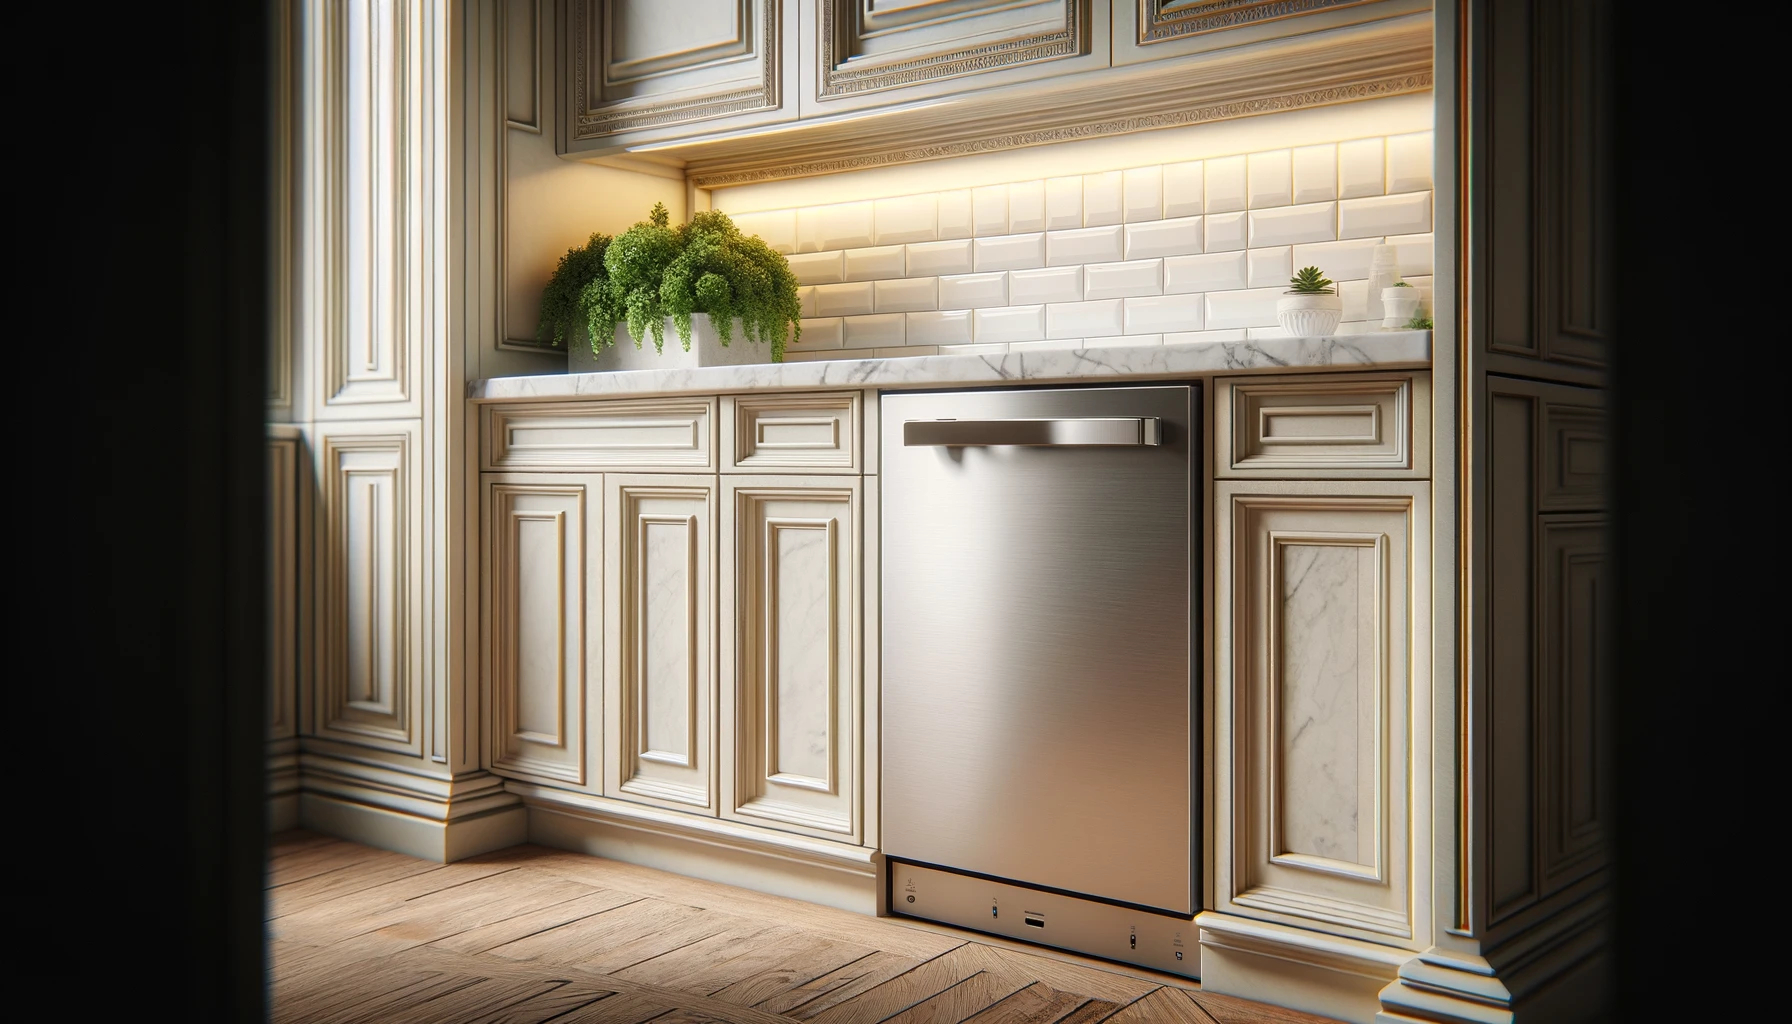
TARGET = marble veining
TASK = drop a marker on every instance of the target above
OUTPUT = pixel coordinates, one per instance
(801, 656)
(1350, 351)
(1324, 699)
(665, 568)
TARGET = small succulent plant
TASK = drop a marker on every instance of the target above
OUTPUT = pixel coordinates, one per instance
(1401, 284)
(1309, 282)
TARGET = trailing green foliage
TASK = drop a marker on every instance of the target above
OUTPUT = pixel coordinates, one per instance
(562, 307)
(654, 271)
(1419, 322)
(1310, 282)
(1401, 284)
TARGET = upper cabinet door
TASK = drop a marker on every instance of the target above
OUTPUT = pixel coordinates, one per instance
(871, 53)
(1146, 30)
(644, 70)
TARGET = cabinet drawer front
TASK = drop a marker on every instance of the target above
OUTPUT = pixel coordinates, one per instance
(658, 433)
(1574, 454)
(813, 433)
(1324, 426)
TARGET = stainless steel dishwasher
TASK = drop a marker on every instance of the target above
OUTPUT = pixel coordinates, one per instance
(1038, 655)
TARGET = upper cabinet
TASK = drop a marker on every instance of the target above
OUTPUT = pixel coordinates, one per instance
(872, 53)
(643, 70)
(697, 86)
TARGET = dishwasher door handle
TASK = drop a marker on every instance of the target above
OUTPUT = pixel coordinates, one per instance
(1092, 431)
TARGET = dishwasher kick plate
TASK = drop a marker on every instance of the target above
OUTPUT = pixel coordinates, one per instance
(1162, 942)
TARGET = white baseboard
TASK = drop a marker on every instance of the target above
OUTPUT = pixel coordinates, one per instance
(1301, 970)
(430, 839)
(813, 870)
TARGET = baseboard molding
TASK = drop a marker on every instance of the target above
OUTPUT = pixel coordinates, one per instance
(428, 838)
(1565, 978)
(283, 812)
(1301, 970)
(813, 870)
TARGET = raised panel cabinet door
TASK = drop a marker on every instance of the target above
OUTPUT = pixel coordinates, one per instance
(660, 675)
(1147, 30)
(540, 606)
(868, 53)
(640, 70)
(1321, 600)
(792, 640)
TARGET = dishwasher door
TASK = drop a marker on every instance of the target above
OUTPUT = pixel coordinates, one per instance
(1038, 642)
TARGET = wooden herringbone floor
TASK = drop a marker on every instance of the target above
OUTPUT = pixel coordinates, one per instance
(529, 935)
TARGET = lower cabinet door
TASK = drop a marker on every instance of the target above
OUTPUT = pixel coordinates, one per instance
(791, 653)
(1321, 597)
(660, 675)
(539, 615)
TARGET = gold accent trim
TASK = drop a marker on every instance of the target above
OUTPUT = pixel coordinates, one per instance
(1214, 15)
(1115, 126)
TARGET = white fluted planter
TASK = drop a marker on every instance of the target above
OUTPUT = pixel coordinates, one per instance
(1398, 306)
(1310, 314)
(706, 350)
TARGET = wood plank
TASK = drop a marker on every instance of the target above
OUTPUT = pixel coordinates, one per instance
(1091, 1012)
(1164, 1006)
(1069, 977)
(779, 969)
(564, 998)
(1036, 1004)
(1233, 1010)
(905, 990)
(622, 1008)
(969, 997)
(346, 914)
(836, 986)
(485, 997)
(322, 859)
(324, 997)
(312, 890)
(675, 968)
(491, 936)
(450, 911)
(771, 950)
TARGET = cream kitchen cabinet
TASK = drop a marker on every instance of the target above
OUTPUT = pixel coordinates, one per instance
(1148, 30)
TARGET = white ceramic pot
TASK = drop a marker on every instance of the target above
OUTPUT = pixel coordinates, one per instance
(1398, 306)
(1310, 314)
(706, 350)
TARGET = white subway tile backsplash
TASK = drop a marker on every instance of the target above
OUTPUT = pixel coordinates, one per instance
(905, 295)
(1269, 267)
(948, 327)
(817, 267)
(874, 264)
(776, 228)
(1414, 253)
(1083, 245)
(1008, 324)
(1360, 168)
(1205, 337)
(1211, 272)
(955, 214)
(1053, 284)
(930, 259)
(1269, 179)
(819, 333)
(1125, 341)
(1407, 214)
(1315, 173)
(1409, 162)
(806, 296)
(793, 356)
(840, 226)
(1121, 280)
(906, 352)
(906, 219)
(1063, 203)
(874, 330)
(843, 299)
(1341, 261)
(1225, 231)
(1026, 206)
(1009, 252)
(1226, 185)
(1356, 299)
(989, 210)
(1314, 222)
(1185, 190)
(1101, 199)
(1082, 319)
(1144, 194)
(1063, 344)
(1253, 308)
(1179, 237)
(973, 350)
(973, 291)
(1155, 314)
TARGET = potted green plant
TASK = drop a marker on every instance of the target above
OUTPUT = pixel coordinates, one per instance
(1399, 302)
(1311, 307)
(723, 293)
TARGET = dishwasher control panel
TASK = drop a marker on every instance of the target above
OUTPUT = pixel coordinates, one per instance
(1162, 942)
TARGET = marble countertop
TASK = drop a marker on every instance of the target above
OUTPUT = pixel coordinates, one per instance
(1339, 352)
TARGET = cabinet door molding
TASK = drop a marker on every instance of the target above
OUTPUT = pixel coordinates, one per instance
(660, 676)
(541, 606)
(791, 607)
